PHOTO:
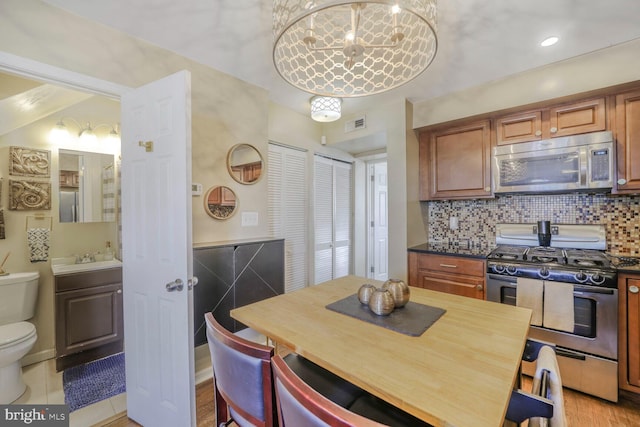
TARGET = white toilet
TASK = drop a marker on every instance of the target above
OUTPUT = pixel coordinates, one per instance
(18, 295)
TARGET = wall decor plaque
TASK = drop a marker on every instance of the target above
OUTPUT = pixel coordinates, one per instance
(29, 162)
(29, 195)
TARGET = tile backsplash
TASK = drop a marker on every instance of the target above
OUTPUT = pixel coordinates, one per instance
(477, 218)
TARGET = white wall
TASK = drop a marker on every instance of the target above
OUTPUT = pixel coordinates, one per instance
(600, 69)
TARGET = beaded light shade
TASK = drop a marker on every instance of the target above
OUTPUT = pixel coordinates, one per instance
(325, 108)
(349, 49)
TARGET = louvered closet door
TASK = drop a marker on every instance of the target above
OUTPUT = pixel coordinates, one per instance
(287, 186)
(332, 210)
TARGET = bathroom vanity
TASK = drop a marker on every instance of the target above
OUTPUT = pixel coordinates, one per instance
(88, 312)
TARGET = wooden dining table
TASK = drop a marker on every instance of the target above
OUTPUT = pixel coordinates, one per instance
(459, 372)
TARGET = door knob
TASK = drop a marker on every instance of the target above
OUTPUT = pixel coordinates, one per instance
(176, 285)
(192, 282)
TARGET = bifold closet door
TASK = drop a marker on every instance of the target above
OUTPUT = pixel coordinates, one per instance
(332, 218)
(288, 218)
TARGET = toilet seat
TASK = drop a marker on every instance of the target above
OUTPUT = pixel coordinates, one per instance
(15, 333)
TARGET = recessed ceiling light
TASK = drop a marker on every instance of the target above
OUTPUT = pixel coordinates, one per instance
(549, 41)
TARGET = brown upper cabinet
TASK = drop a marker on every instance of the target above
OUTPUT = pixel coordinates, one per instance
(563, 120)
(628, 141)
(455, 162)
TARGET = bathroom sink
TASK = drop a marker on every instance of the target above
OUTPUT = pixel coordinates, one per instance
(67, 265)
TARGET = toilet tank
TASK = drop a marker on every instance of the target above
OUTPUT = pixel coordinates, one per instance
(18, 296)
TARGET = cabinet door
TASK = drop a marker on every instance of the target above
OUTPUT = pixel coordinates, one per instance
(458, 285)
(455, 163)
(576, 118)
(633, 331)
(521, 127)
(628, 141)
(88, 318)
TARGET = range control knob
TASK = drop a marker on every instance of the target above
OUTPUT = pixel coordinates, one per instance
(544, 272)
(498, 268)
(511, 269)
(581, 277)
(597, 279)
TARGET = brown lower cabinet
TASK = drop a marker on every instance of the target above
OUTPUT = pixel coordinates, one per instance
(629, 331)
(447, 273)
(89, 320)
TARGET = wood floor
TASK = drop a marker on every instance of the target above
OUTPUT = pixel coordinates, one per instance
(582, 410)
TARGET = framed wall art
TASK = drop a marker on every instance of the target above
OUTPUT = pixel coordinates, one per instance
(25, 161)
(29, 195)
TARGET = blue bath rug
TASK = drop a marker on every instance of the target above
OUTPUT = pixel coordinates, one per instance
(94, 381)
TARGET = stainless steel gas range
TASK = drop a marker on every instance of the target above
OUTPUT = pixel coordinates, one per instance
(572, 278)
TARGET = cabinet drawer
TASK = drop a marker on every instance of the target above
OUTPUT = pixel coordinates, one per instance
(67, 282)
(452, 265)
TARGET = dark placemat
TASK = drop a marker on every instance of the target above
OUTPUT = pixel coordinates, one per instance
(412, 319)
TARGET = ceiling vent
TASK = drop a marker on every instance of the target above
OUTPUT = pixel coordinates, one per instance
(355, 124)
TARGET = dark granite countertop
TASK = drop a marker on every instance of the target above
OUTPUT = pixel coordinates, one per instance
(464, 249)
(626, 264)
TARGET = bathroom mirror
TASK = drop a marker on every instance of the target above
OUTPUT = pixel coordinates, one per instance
(220, 202)
(87, 190)
(245, 163)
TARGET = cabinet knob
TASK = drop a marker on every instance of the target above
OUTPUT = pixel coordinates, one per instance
(119, 291)
(538, 132)
(487, 189)
(553, 130)
(479, 287)
(176, 285)
(622, 181)
(634, 289)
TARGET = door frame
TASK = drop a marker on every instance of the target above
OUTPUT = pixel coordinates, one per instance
(370, 208)
(39, 71)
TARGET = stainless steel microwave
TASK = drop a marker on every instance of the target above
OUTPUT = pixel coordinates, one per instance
(566, 164)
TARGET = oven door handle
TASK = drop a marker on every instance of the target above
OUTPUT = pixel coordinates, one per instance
(570, 354)
(592, 290)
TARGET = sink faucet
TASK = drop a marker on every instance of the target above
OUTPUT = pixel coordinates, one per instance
(85, 258)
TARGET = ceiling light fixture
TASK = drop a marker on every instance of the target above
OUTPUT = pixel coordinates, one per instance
(550, 41)
(325, 108)
(352, 48)
(60, 134)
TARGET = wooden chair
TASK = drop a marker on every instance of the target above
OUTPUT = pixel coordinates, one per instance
(300, 405)
(544, 405)
(243, 385)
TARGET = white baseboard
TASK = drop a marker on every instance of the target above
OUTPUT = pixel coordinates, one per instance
(40, 356)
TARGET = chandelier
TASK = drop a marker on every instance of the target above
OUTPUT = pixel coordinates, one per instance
(349, 49)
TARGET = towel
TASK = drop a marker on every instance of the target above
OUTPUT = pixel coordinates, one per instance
(529, 295)
(547, 360)
(558, 306)
(38, 240)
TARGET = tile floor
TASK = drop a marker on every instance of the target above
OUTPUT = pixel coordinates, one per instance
(44, 386)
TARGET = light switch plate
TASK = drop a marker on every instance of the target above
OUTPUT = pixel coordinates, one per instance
(249, 219)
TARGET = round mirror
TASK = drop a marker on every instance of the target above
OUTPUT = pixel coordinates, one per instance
(220, 202)
(244, 163)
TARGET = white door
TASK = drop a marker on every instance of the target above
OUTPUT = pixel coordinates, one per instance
(333, 218)
(157, 251)
(287, 175)
(379, 226)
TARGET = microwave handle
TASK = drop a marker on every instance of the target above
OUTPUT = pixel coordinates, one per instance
(583, 167)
